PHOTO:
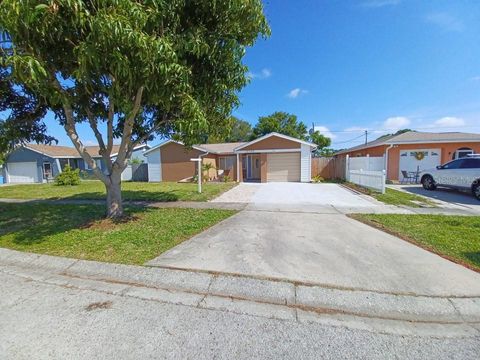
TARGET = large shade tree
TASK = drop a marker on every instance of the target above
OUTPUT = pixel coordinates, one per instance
(131, 69)
(237, 130)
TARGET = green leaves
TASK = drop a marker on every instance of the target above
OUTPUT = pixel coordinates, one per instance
(281, 122)
(187, 55)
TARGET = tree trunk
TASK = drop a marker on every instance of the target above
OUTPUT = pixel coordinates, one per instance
(114, 195)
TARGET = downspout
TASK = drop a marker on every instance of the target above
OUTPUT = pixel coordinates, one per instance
(386, 158)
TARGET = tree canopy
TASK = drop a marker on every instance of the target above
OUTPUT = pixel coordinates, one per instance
(280, 122)
(237, 130)
(134, 68)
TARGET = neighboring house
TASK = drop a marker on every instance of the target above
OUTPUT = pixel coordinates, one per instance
(36, 163)
(413, 151)
(273, 157)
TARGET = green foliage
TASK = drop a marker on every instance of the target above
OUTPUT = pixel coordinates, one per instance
(68, 177)
(320, 140)
(135, 161)
(181, 59)
(326, 152)
(236, 131)
(227, 179)
(317, 179)
(280, 122)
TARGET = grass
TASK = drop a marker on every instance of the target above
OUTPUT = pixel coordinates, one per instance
(94, 190)
(395, 197)
(454, 237)
(79, 231)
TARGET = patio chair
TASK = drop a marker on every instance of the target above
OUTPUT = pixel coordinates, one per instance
(408, 177)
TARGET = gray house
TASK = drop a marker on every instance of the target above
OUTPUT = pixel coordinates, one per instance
(37, 163)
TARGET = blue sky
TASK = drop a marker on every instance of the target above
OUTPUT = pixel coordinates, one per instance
(379, 65)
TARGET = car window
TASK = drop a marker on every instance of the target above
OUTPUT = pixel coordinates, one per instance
(471, 164)
(455, 164)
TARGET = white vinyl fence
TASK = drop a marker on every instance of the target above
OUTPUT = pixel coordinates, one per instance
(367, 171)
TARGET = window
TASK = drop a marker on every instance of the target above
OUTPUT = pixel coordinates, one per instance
(470, 164)
(455, 164)
(98, 162)
(462, 152)
(226, 162)
(47, 170)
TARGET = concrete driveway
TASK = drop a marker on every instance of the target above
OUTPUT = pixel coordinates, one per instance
(322, 248)
(289, 194)
(445, 197)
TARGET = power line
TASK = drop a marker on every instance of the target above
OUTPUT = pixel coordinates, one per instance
(395, 129)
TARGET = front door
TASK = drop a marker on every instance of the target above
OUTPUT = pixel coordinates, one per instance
(253, 167)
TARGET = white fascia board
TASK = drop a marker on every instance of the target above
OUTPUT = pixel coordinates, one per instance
(134, 149)
(268, 151)
(278, 135)
(431, 142)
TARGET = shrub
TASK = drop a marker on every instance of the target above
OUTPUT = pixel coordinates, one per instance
(68, 177)
(317, 179)
(227, 178)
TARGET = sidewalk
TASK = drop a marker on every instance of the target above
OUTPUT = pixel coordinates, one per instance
(302, 208)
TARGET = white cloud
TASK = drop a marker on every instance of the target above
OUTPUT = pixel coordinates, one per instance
(294, 93)
(449, 121)
(380, 3)
(355, 128)
(475, 78)
(90, 143)
(324, 131)
(446, 21)
(263, 74)
(395, 123)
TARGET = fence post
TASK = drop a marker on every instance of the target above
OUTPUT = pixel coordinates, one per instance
(384, 180)
(347, 167)
(368, 162)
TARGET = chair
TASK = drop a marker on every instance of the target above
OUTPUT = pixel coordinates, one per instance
(408, 177)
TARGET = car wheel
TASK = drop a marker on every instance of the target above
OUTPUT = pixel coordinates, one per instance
(428, 183)
(476, 191)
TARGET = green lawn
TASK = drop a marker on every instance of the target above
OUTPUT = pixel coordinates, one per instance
(395, 197)
(455, 237)
(79, 231)
(164, 191)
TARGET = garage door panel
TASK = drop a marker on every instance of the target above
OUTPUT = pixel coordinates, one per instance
(22, 172)
(283, 167)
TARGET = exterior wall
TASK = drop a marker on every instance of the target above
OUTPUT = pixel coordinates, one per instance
(154, 166)
(25, 155)
(447, 152)
(263, 167)
(306, 164)
(175, 162)
(273, 142)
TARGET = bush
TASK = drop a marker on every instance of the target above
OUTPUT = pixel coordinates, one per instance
(68, 177)
(317, 179)
(227, 178)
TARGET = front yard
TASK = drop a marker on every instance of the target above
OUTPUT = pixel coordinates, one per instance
(79, 231)
(95, 190)
(454, 237)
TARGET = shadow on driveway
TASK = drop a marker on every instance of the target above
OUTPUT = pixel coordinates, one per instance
(462, 198)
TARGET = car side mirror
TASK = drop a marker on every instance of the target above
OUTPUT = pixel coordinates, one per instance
(439, 167)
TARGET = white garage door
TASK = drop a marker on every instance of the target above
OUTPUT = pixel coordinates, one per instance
(22, 172)
(418, 160)
(283, 167)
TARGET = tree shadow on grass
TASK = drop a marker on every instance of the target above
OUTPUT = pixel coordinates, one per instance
(474, 258)
(129, 195)
(33, 223)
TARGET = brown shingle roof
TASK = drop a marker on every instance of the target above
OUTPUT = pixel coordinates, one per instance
(221, 148)
(416, 137)
(66, 151)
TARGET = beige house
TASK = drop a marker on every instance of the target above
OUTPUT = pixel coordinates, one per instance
(272, 157)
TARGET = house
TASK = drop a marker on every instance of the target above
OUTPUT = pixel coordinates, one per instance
(36, 163)
(272, 157)
(416, 151)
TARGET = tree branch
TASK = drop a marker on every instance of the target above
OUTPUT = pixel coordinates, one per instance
(126, 143)
(72, 131)
(106, 155)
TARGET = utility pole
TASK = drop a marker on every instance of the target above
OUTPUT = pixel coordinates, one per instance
(366, 136)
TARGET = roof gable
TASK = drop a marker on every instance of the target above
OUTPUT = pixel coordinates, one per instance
(274, 135)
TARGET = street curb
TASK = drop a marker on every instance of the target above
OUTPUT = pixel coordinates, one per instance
(248, 295)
